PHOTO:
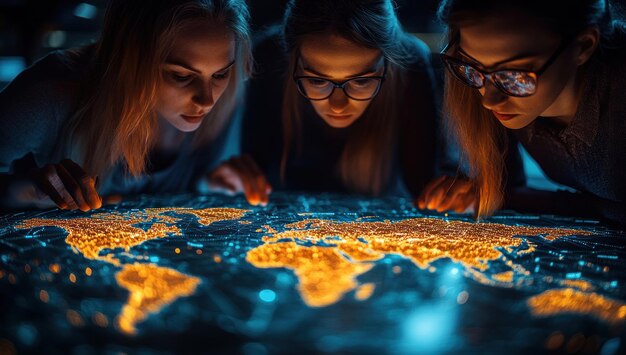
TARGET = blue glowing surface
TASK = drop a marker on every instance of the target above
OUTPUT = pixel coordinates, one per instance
(243, 309)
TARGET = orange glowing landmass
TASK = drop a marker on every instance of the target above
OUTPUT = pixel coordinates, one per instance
(151, 288)
(339, 252)
(569, 300)
(101, 231)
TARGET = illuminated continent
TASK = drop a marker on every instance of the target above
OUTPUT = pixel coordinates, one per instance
(151, 287)
(327, 256)
(569, 300)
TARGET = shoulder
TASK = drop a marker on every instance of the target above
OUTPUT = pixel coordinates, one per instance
(34, 106)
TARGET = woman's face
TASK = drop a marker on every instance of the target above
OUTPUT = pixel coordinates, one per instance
(195, 75)
(518, 41)
(338, 59)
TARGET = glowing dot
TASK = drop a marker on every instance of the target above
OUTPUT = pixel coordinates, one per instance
(397, 269)
(217, 259)
(199, 251)
(74, 318)
(72, 278)
(454, 271)
(100, 319)
(27, 268)
(43, 296)
(55, 268)
(462, 297)
(554, 341)
(88, 271)
(177, 250)
(267, 295)
(364, 291)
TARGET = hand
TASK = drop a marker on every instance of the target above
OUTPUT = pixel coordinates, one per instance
(241, 174)
(448, 193)
(68, 186)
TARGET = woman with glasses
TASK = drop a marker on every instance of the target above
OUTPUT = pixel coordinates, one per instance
(554, 80)
(144, 109)
(342, 100)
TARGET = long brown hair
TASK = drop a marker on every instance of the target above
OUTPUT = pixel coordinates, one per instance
(365, 163)
(116, 120)
(482, 139)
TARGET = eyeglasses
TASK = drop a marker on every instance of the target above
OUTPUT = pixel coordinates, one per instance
(361, 88)
(516, 83)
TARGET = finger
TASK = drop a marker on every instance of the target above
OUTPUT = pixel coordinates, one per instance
(466, 201)
(73, 187)
(57, 184)
(428, 191)
(43, 183)
(222, 183)
(86, 183)
(225, 178)
(112, 199)
(248, 180)
(437, 195)
(456, 193)
(261, 182)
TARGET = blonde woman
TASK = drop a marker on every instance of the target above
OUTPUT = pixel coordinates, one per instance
(343, 101)
(141, 110)
(549, 75)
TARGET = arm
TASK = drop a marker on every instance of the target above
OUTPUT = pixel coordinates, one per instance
(32, 110)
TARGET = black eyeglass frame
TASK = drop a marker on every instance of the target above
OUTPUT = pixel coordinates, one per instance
(489, 75)
(340, 85)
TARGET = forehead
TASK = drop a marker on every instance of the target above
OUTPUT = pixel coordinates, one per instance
(336, 56)
(493, 38)
(203, 41)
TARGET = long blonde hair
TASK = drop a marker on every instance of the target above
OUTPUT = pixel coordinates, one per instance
(365, 163)
(116, 120)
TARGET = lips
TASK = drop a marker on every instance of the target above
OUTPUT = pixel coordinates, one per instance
(193, 118)
(338, 117)
(503, 116)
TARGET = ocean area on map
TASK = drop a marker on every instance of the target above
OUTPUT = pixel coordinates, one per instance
(328, 273)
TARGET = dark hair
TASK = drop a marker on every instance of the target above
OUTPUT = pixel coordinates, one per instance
(564, 17)
(481, 138)
(370, 23)
(364, 164)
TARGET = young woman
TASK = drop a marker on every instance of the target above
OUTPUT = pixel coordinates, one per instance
(142, 109)
(554, 80)
(342, 100)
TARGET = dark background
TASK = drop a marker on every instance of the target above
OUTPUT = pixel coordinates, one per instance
(31, 28)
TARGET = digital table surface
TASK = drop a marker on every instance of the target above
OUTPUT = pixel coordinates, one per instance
(314, 273)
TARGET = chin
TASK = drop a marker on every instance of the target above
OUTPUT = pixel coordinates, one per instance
(339, 123)
(186, 127)
(517, 123)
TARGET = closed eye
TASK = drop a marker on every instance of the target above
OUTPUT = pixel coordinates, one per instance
(222, 76)
(317, 82)
(181, 78)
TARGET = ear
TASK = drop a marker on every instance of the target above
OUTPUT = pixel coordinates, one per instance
(587, 43)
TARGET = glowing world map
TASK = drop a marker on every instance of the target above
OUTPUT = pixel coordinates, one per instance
(302, 271)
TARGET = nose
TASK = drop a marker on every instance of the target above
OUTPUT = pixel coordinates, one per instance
(338, 101)
(203, 96)
(492, 96)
